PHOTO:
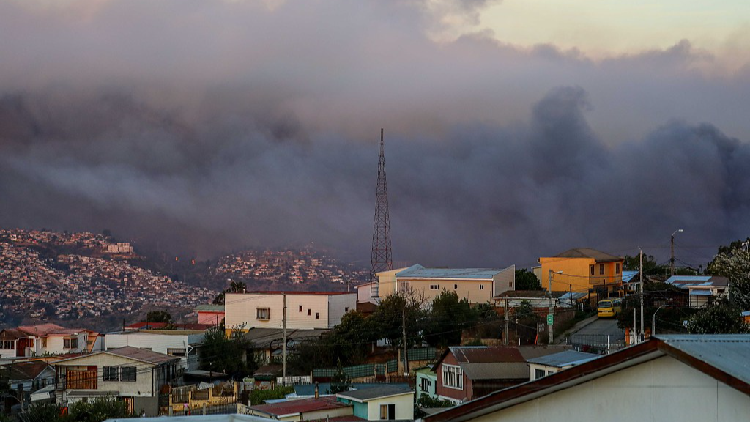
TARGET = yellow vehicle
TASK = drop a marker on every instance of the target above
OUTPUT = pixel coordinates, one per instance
(609, 308)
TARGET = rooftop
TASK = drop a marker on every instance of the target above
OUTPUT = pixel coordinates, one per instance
(294, 407)
(418, 271)
(686, 281)
(375, 392)
(566, 358)
(599, 256)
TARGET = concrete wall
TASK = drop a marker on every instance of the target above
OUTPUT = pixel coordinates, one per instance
(404, 407)
(663, 389)
(56, 343)
(475, 291)
(304, 311)
(143, 377)
(338, 305)
(576, 274)
(156, 342)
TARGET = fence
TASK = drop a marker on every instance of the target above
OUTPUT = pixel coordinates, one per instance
(596, 343)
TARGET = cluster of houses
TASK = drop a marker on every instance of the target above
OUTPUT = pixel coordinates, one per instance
(147, 367)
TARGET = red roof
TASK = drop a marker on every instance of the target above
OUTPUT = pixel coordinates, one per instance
(487, 354)
(291, 407)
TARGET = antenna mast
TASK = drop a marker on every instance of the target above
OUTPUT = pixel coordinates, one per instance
(381, 258)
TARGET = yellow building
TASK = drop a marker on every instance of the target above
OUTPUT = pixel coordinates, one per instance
(477, 285)
(582, 269)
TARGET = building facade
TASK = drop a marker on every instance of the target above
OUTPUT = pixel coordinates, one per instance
(581, 270)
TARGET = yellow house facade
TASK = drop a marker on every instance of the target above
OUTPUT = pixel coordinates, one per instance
(581, 269)
(477, 285)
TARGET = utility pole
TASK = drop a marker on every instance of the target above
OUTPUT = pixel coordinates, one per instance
(283, 346)
(671, 259)
(640, 283)
(551, 309)
(507, 332)
(406, 354)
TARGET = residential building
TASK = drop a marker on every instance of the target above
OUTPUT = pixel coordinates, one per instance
(304, 310)
(322, 408)
(556, 362)
(36, 340)
(210, 314)
(426, 383)
(182, 344)
(467, 372)
(30, 375)
(477, 285)
(388, 402)
(581, 270)
(667, 378)
(702, 289)
(128, 373)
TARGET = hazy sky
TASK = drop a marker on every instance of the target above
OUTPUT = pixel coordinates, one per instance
(514, 129)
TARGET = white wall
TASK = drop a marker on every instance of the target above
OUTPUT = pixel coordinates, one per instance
(142, 387)
(663, 389)
(155, 342)
(340, 305)
(56, 343)
(404, 407)
(241, 308)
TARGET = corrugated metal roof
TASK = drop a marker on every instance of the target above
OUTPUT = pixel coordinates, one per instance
(483, 354)
(143, 355)
(496, 371)
(686, 281)
(695, 292)
(375, 392)
(627, 276)
(566, 358)
(726, 352)
(210, 308)
(418, 271)
(291, 407)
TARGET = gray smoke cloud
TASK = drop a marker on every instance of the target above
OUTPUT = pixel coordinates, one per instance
(214, 126)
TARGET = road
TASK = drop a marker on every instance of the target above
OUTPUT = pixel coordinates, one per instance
(599, 333)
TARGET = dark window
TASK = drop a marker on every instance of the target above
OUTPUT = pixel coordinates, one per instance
(127, 373)
(455, 286)
(309, 311)
(70, 343)
(617, 268)
(539, 373)
(300, 308)
(387, 412)
(601, 269)
(111, 373)
(317, 315)
(591, 269)
(8, 344)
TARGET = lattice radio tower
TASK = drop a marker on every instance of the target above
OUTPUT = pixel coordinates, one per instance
(381, 259)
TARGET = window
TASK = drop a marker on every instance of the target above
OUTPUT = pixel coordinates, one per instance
(70, 343)
(346, 309)
(317, 315)
(617, 268)
(539, 373)
(481, 287)
(387, 412)
(455, 286)
(453, 376)
(510, 284)
(176, 352)
(111, 373)
(119, 373)
(424, 384)
(44, 342)
(127, 373)
(300, 308)
(601, 269)
(591, 269)
(309, 311)
(434, 287)
(263, 313)
(8, 344)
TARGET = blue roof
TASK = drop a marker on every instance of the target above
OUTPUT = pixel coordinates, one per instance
(418, 271)
(726, 352)
(566, 358)
(700, 293)
(627, 276)
(745, 313)
(685, 281)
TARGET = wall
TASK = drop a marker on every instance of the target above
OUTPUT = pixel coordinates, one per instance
(156, 342)
(301, 309)
(387, 282)
(143, 378)
(210, 318)
(454, 394)
(576, 274)
(338, 305)
(404, 407)
(504, 281)
(663, 389)
(469, 289)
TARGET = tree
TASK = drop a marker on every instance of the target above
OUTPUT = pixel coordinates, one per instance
(340, 381)
(388, 316)
(96, 410)
(733, 262)
(226, 354)
(716, 319)
(159, 316)
(234, 287)
(527, 280)
(447, 318)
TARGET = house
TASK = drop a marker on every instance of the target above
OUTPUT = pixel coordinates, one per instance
(210, 314)
(304, 310)
(426, 383)
(670, 377)
(128, 373)
(702, 289)
(580, 270)
(321, 408)
(36, 340)
(477, 285)
(389, 402)
(29, 375)
(467, 372)
(182, 344)
(550, 364)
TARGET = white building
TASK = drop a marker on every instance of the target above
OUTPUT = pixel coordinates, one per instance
(305, 310)
(668, 378)
(37, 340)
(556, 362)
(181, 344)
(128, 373)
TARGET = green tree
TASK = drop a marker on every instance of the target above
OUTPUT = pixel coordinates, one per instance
(96, 410)
(388, 316)
(447, 318)
(721, 318)
(733, 262)
(234, 287)
(340, 381)
(527, 280)
(159, 316)
(226, 354)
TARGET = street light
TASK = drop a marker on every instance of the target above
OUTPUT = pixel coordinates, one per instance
(653, 321)
(671, 260)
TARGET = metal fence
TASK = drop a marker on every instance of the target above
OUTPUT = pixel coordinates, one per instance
(596, 343)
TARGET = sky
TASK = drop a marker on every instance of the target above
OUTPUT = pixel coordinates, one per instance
(514, 129)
